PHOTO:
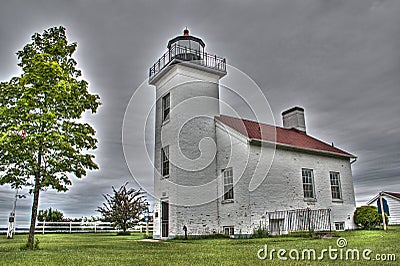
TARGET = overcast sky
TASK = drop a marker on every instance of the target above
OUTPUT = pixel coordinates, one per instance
(339, 59)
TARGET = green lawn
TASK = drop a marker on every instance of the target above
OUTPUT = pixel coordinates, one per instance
(108, 249)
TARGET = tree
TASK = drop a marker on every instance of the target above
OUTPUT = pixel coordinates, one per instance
(368, 217)
(50, 215)
(124, 207)
(43, 143)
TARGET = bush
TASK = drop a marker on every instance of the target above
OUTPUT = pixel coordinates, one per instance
(260, 232)
(122, 233)
(195, 237)
(35, 246)
(368, 217)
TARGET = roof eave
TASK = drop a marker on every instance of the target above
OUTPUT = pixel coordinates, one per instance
(308, 150)
(383, 193)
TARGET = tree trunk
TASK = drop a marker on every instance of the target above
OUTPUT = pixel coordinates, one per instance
(35, 204)
(36, 190)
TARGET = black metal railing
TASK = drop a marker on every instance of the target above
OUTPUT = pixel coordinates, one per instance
(181, 53)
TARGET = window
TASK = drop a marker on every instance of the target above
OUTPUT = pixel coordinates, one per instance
(229, 230)
(165, 161)
(165, 107)
(228, 183)
(308, 183)
(335, 185)
(339, 226)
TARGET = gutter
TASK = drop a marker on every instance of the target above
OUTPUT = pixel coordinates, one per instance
(290, 147)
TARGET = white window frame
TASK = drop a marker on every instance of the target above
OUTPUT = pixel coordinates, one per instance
(307, 176)
(229, 230)
(339, 226)
(336, 190)
(165, 162)
(227, 175)
(166, 105)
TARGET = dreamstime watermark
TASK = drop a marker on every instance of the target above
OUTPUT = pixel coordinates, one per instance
(338, 252)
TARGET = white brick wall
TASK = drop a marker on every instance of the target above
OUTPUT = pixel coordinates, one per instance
(190, 135)
(281, 189)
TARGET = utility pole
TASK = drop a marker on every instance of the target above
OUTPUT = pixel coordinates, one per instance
(11, 218)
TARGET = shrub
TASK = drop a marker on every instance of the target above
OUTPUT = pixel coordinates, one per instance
(368, 217)
(195, 237)
(260, 232)
(35, 246)
(122, 233)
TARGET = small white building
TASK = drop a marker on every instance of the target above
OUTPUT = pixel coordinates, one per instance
(393, 203)
(220, 174)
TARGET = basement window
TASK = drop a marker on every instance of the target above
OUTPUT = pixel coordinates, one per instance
(339, 226)
(229, 230)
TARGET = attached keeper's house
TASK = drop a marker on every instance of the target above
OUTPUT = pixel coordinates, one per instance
(221, 174)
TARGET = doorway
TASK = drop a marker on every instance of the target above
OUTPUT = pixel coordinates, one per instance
(164, 218)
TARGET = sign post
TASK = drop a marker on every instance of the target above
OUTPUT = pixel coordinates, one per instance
(146, 219)
(382, 210)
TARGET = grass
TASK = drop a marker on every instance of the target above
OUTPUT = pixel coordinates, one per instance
(109, 249)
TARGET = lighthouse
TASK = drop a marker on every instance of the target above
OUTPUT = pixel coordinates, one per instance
(218, 174)
(186, 79)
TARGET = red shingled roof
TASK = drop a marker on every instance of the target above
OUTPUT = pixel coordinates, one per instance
(397, 195)
(291, 137)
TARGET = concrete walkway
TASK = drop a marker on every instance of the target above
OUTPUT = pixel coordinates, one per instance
(150, 240)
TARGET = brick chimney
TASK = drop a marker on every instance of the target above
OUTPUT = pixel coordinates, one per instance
(294, 118)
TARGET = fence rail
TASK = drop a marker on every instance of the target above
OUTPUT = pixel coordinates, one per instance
(181, 53)
(74, 227)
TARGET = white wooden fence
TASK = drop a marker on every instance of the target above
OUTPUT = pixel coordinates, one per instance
(74, 227)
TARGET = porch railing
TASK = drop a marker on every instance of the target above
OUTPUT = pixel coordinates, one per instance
(284, 222)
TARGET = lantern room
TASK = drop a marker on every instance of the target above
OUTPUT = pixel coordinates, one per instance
(186, 47)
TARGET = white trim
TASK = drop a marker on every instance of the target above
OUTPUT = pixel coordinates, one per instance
(383, 194)
(291, 147)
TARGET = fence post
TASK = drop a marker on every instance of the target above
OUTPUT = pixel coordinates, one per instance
(95, 227)
(330, 222)
(43, 225)
(70, 227)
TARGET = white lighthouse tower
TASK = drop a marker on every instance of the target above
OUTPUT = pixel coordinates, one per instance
(187, 90)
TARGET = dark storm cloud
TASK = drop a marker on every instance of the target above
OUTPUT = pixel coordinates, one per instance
(338, 59)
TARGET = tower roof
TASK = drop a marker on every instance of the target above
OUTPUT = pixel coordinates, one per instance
(186, 37)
